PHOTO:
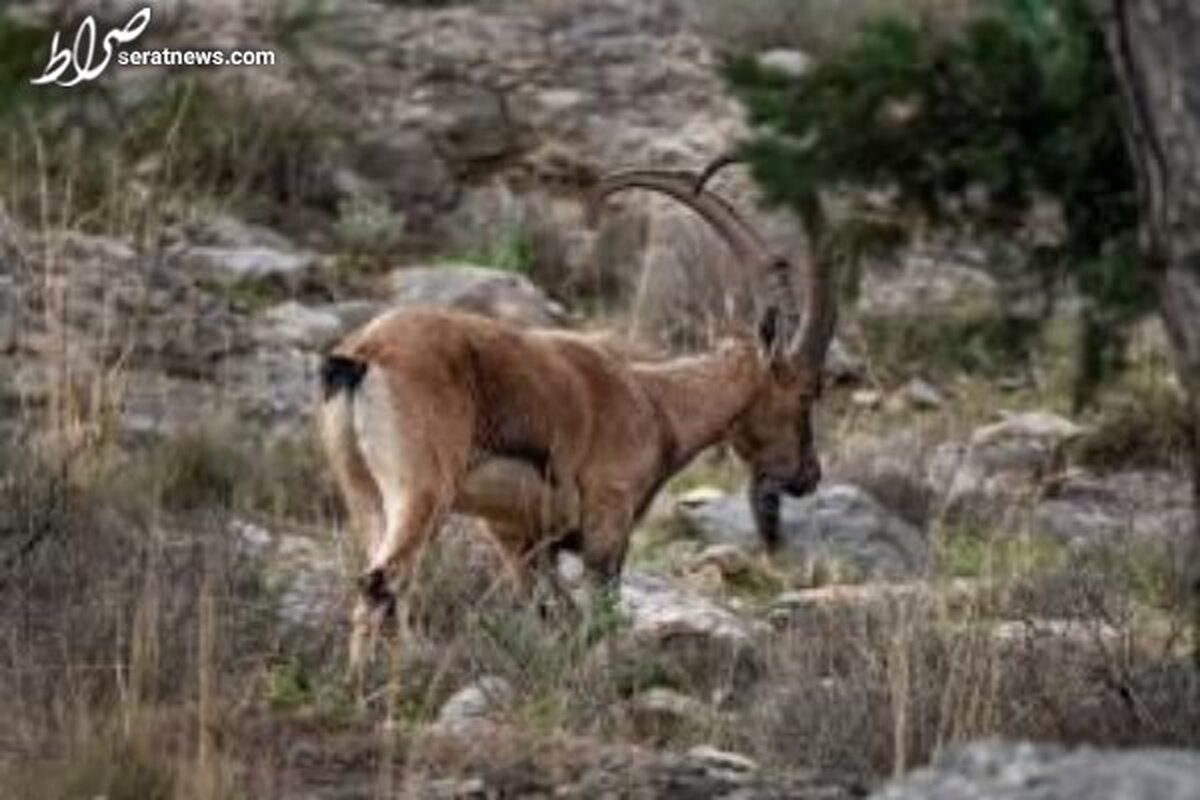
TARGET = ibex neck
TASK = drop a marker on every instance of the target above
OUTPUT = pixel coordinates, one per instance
(702, 397)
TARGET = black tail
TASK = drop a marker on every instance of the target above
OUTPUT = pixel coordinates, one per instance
(341, 373)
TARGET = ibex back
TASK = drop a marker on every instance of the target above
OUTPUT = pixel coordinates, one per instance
(555, 440)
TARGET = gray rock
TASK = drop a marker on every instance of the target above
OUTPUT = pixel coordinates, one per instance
(1003, 771)
(659, 712)
(1145, 506)
(233, 264)
(1004, 462)
(882, 605)
(685, 633)
(226, 231)
(409, 170)
(728, 559)
(483, 699)
(491, 292)
(842, 365)
(922, 395)
(658, 611)
(929, 287)
(839, 525)
(792, 63)
(722, 759)
(295, 323)
(475, 124)
(1040, 427)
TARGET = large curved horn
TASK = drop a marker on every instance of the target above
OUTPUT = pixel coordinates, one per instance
(716, 165)
(743, 239)
(715, 210)
(813, 336)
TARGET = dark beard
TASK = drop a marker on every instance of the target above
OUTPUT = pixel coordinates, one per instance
(765, 499)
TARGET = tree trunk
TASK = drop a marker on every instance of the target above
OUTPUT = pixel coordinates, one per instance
(1155, 46)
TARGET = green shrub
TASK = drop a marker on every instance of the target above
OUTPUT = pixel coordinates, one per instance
(970, 130)
(509, 248)
(1142, 426)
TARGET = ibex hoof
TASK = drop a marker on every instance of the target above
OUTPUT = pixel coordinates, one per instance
(373, 586)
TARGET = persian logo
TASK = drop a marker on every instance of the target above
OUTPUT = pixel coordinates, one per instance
(82, 62)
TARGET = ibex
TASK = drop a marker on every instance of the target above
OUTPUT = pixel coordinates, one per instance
(555, 441)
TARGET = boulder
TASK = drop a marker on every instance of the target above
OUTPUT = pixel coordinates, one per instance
(408, 169)
(929, 286)
(874, 606)
(225, 230)
(298, 324)
(921, 395)
(475, 124)
(792, 63)
(660, 713)
(1002, 463)
(840, 528)
(492, 292)
(235, 264)
(482, 699)
(702, 645)
(659, 612)
(314, 327)
(1021, 771)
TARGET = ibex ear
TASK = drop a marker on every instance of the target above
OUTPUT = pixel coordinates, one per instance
(770, 337)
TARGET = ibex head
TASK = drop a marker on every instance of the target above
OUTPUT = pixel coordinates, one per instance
(774, 435)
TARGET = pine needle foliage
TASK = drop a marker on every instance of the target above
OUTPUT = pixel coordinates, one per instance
(967, 129)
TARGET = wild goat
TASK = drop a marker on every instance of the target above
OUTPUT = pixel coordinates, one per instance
(557, 442)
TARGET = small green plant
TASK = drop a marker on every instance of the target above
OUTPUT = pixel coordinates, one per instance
(245, 295)
(509, 248)
(20, 47)
(367, 228)
(286, 687)
(960, 553)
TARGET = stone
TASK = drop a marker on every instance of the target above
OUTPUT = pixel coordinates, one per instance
(929, 287)
(866, 398)
(792, 63)
(839, 525)
(495, 293)
(844, 608)
(411, 172)
(1024, 771)
(1042, 427)
(234, 264)
(482, 699)
(294, 323)
(659, 712)
(657, 612)
(686, 633)
(699, 496)
(225, 230)
(1002, 463)
(842, 365)
(476, 124)
(922, 395)
(729, 560)
(722, 759)
(254, 539)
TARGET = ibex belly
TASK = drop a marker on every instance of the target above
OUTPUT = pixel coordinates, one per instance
(514, 492)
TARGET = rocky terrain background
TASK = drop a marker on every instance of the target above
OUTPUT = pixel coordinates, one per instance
(176, 249)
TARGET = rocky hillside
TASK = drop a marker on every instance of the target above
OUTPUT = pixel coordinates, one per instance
(980, 563)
